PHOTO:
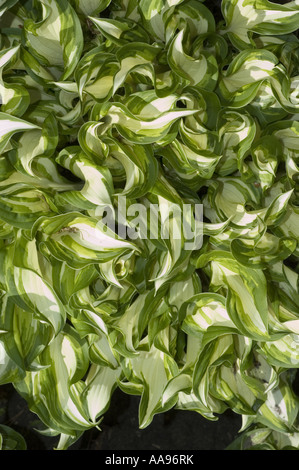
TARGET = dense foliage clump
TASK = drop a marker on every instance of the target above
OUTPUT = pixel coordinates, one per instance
(164, 104)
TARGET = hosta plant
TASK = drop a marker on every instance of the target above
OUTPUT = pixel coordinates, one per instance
(116, 117)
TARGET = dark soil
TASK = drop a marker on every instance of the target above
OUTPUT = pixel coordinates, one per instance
(173, 430)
